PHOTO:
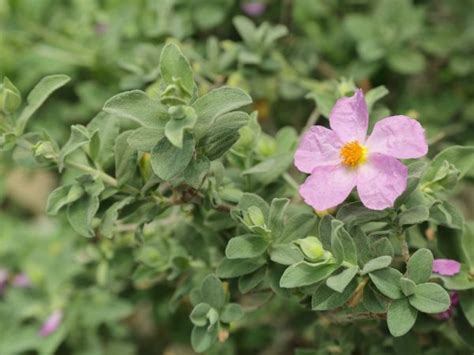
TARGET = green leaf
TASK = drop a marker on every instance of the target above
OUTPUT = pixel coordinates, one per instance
(202, 338)
(271, 168)
(285, 254)
(137, 106)
(80, 214)
(430, 298)
(125, 159)
(466, 299)
(298, 226)
(196, 171)
(373, 301)
(212, 292)
(343, 247)
(419, 266)
(340, 281)
(175, 128)
(216, 103)
(414, 215)
(199, 314)
(374, 95)
(80, 136)
(459, 156)
(223, 134)
(174, 66)
(231, 313)
(387, 282)
(246, 246)
(382, 247)
(229, 268)
(445, 214)
(378, 263)
(38, 95)
(400, 317)
(168, 161)
(406, 61)
(304, 274)
(10, 97)
(461, 281)
(253, 200)
(312, 248)
(62, 196)
(408, 286)
(250, 281)
(277, 214)
(110, 216)
(324, 298)
(145, 138)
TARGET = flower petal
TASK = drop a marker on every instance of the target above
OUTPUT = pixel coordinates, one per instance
(349, 118)
(446, 267)
(319, 146)
(401, 137)
(380, 181)
(328, 186)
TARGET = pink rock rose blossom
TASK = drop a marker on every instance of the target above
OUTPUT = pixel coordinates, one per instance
(343, 157)
(51, 324)
(447, 267)
(253, 9)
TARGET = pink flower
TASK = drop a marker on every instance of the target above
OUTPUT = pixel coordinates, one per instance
(3, 279)
(454, 296)
(21, 280)
(342, 157)
(51, 324)
(253, 9)
(446, 267)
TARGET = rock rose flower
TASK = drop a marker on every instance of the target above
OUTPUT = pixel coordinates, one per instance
(447, 267)
(343, 157)
(51, 324)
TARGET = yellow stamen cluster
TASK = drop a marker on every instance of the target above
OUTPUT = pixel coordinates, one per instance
(353, 154)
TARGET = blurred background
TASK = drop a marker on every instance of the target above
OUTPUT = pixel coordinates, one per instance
(295, 58)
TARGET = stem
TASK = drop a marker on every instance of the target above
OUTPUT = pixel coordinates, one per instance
(404, 245)
(289, 179)
(106, 178)
(312, 119)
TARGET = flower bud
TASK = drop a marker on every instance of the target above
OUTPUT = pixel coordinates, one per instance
(254, 217)
(45, 150)
(266, 146)
(311, 248)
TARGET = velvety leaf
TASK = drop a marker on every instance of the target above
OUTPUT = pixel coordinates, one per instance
(277, 215)
(285, 254)
(175, 128)
(419, 266)
(125, 159)
(298, 226)
(231, 313)
(387, 282)
(324, 298)
(79, 137)
(340, 281)
(304, 274)
(38, 95)
(445, 214)
(414, 215)
(430, 298)
(400, 317)
(145, 138)
(199, 314)
(80, 214)
(137, 106)
(376, 264)
(246, 246)
(168, 161)
(212, 292)
(216, 103)
(407, 286)
(466, 299)
(174, 66)
(343, 247)
(271, 168)
(229, 268)
(250, 281)
(202, 338)
(459, 156)
(223, 134)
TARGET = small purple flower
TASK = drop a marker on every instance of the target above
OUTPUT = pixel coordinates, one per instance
(21, 280)
(449, 313)
(253, 9)
(51, 324)
(3, 279)
(446, 267)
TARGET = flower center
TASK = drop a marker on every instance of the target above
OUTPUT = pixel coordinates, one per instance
(353, 154)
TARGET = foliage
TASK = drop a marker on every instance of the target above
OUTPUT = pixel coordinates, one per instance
(183, 188)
